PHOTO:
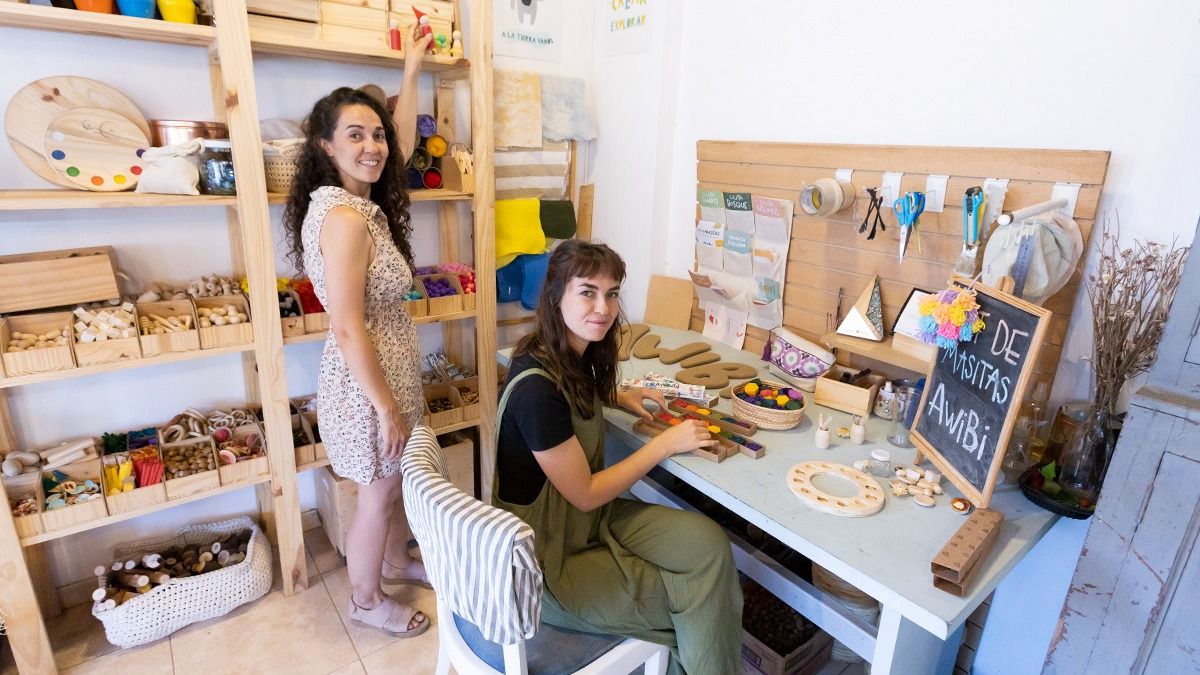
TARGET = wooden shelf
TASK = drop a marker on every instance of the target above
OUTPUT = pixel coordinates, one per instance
(414, 195)
(148, 362)
(440, 318)
(109, 520)
(263, 42)
(879, 351)
(437, 432)
(109, 25)
(49, 200)
(313, 465)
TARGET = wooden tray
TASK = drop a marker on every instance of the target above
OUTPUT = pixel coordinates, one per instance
(95, 509)
(96, 149)
(36, 360)
(19, 486)
(445, 418)
(212, 337)
(182, 341)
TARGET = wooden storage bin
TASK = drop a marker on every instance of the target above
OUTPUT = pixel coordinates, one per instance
(55, 278)
(302, 441)
(292, 326)
(459, 451)
(212, 337)
(20, 486)
(470, 410)
(195, 483)
(445, 418)
(856, 399)
(448, 304)
(108, 351)
(336, 499)
(79, 513)
(138, 498)
(245, 469)
(418, 308)
(468, 301)
(181, 341)
(36, 360)
(317, 322)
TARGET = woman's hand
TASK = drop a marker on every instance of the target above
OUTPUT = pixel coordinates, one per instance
(415, 45)
(394, 430)
(634, 400)
(685, 437)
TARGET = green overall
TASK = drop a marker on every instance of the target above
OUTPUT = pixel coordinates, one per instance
(627, 568)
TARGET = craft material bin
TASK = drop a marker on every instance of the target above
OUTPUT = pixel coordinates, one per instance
(86, 512)
(195, 483)
(856, 399)
(316, 322)
(760, 659)
(110, 350)
(444, 418)
(36, 360)
(466, 386)
(292, 326)
(419, 307)
(336, 498)
(179, 341)
(212, 337)
(447, 304)
(56, 278)
(302, 441)
(20, 486)
(246, 469)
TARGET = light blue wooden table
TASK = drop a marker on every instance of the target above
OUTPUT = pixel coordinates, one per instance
(885, 555)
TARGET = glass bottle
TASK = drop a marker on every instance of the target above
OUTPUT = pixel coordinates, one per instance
(1083, 459)
(907, 398)
(1025, 431)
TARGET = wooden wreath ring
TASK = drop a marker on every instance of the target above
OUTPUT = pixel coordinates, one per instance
(868, 501)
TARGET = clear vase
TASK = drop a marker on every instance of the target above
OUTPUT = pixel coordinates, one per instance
(1084, 459)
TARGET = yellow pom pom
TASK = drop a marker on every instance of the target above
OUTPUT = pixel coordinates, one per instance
(703, 411)
(941, 314)
(714, 428)
(957, 316)
(978, 326)
(928, 305)
(751, 389)
(782, 400)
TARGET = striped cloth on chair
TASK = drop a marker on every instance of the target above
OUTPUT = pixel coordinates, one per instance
(479, 558)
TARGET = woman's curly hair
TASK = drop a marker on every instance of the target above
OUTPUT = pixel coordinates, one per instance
(316, 169)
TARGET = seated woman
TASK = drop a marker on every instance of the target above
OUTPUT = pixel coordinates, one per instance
(611, 565)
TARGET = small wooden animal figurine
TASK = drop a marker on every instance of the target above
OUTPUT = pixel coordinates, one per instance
(456, 47)
(821, 436)
(858, 430)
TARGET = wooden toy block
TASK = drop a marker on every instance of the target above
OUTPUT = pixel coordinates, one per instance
(725, 421)
(957, 563)
(723, 450)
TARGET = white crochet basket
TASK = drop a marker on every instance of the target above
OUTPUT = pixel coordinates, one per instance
(181, 602)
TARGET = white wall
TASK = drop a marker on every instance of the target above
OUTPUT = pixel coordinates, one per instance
(1068, 74)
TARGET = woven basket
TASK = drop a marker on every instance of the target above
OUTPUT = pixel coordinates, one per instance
(181, 602)
(766, 418)
(281, 171)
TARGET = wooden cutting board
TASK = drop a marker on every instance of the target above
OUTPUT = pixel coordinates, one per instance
(31, 110)
(95, 149)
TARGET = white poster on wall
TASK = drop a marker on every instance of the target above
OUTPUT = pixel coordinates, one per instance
(528, 29)
(628, 26)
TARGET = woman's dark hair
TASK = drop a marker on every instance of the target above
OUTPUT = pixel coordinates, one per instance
(579, 377)
(316, 169)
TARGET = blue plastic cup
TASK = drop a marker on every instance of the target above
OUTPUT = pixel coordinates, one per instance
(138, 8)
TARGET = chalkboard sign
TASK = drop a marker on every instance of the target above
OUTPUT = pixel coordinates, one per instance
(973, 394)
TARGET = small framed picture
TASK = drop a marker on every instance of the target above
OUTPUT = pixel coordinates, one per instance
(908, 322)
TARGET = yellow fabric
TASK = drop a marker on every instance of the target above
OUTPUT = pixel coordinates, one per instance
(518, 229)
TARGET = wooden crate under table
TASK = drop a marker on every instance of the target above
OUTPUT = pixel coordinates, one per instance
(36, 360)
(195, 483)
(245, 469)
(86, 512)
(56, 278)
(212, 337)
(179, 341)
(20, 486)
(138, 498)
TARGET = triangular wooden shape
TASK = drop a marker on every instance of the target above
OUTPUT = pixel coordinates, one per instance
(865, 319)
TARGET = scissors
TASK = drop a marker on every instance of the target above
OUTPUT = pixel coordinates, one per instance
(908, 212)
(974, 205)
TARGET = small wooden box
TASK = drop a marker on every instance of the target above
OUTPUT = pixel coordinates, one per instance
(856, 399)
(246, 469)
(447, 304)
(336, 499)
(86, 512)
(36, 360)
(179, 341)
(445, 418)
(138, 498)
(212, 337)
(314, 430)
(301, 10)
(21, 486)
(468, 301)
(470, 410)
(420, 307)
(292, 326)
(460, 461)
(56, 278)
(273, 27)
(302, 441)
(316, 322)
(201, 481)
(108, 351)
(351, 16)
(375, 37)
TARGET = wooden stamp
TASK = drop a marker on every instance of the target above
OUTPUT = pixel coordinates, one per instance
(957, 563)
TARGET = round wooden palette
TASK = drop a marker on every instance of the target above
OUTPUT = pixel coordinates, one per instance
(95, 149)
(869, 500)
(34, 107)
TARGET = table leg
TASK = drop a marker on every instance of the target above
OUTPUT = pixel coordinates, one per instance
(904, 648)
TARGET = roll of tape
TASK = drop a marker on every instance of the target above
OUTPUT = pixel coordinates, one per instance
(826, 197)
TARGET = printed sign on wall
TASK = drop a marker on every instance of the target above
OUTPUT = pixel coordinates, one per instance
(528, 29)
(627, 26)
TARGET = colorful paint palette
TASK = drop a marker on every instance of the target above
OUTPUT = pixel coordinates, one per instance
(95, 149)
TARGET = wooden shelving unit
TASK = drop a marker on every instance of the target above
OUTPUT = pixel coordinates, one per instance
(878, 351)
(232, 46)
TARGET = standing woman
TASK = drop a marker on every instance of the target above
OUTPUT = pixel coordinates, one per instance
(348, 225)
(610, 565)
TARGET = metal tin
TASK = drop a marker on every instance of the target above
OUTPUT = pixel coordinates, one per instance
(170, 132)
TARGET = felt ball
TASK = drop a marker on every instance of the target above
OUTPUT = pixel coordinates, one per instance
(714, 428)
(782, 400)
(751, 388)
(703, 411)
(793, 405)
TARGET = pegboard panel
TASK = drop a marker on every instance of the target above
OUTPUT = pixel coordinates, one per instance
(827, 254)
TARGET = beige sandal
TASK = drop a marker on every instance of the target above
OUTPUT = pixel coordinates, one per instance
(391, 617)
(422, 580)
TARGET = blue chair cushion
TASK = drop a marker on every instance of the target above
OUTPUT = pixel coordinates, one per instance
(553, 651)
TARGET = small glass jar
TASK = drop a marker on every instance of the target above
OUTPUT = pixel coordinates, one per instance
(216, 168)
(880, 464)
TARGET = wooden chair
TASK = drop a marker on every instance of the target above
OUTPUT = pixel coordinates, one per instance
(481, 563)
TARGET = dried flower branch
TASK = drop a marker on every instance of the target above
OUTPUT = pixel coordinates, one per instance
(1130, 293)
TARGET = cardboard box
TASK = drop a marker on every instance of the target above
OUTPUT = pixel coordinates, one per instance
(808, 658)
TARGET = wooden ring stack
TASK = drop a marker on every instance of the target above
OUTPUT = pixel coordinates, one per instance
(868, 501)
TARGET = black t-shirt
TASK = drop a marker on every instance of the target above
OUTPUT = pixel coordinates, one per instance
(536, 418)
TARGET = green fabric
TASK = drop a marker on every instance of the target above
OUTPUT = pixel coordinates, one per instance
(558, 218)
(641, 570)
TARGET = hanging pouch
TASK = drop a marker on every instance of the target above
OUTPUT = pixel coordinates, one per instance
(767, 315)
(171, 170)
(738, 260)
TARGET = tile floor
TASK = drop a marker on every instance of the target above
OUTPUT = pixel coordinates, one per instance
(306, 633)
